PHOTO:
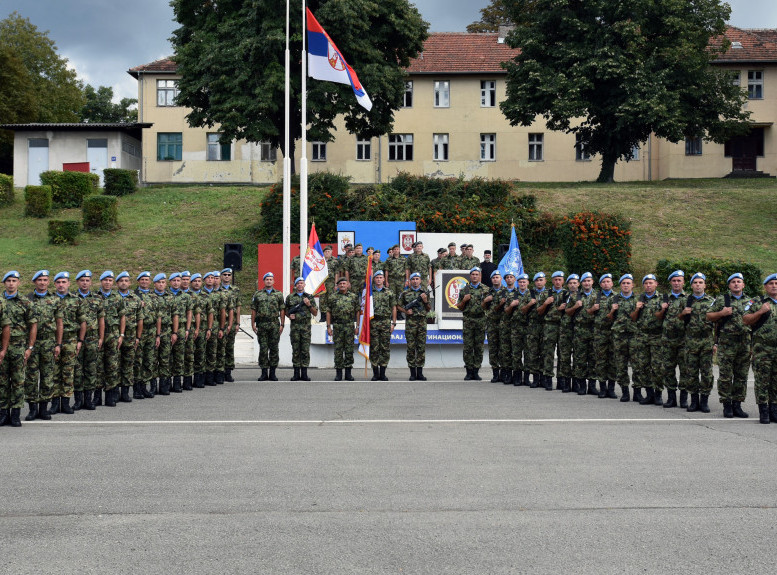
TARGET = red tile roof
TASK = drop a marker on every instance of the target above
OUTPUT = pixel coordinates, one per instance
(163, 66)
(753, 45)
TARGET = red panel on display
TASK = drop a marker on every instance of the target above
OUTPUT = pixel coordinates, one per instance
(75, 167)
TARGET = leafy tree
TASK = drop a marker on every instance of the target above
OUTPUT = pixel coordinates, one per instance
(614, 72)
(491, 17)
(100, 107)
(18, 102)
(230, 55)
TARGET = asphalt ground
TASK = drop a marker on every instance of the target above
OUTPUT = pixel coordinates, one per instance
(442, 476)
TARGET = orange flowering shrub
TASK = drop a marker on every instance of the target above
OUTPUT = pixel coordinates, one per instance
(597, 243)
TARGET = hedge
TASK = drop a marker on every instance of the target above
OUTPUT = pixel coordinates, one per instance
(101, 213)
(596, 243)
(6, 190)
(64, 231)
(717, 272)
(37, 201)
(70, 188)
(120, 182)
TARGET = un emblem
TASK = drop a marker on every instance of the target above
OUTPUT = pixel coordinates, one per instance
(514, 262)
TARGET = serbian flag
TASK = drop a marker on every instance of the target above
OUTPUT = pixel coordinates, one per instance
(325, 62)
(368, 311)
(314, 269)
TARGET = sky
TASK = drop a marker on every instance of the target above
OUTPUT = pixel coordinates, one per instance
(103, 39)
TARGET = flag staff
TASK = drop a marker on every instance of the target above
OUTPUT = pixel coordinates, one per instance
(303, 161)
(286, 169)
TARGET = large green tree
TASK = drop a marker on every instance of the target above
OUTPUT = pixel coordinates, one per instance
(613, 72)
(491, 18)
(18, 102)
(230, 55)
(100, 106)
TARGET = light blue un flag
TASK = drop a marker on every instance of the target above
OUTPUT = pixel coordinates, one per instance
(512, 262)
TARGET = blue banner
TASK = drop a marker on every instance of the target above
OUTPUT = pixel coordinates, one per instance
(433, 336)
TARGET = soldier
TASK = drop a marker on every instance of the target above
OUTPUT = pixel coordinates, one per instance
(192, 316)
(673, 340)
(164, 308)
(452, 257)
(647, 360)
(603, 346)
(499, 351)
(214, 349)
(268, 318)
(583, 339)
(18, 342)
(414, 303)
(181, 321)
(382, 326)
(341, 313)
(762, 321)
(468, 260)
(357, 269)
(394, 270)
(300, 308)
(133, 330)
(518, 310)
(438, 263)
(534, 330)
(552, 310)
(566, 336)
(108, 358)
(39, 375)
(330, 283)
(73, 334)
(733, 346)
(698, 344)
(85, 378)
(295, 269)
(233, 324)
(203, 329)
(418, 262)
(145, 353)
(488, 267)
(376, 263)
(625, 344)
(470, 302)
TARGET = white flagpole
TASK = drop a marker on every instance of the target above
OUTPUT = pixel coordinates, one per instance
(286, 172)
(303, 161)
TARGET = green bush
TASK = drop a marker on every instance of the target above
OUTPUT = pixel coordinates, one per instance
(6, 190)
(596, 243)
(101, 213)
(120, 182)
(717, 272)
(37, 201)
(70, 188)
(64, 231)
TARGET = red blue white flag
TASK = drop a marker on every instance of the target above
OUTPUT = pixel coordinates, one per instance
(314, 269)
(368, 311)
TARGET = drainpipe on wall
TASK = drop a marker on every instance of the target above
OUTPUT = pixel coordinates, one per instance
(650, 157)
(380, 159)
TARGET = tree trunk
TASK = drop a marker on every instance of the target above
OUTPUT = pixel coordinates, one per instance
(607, 171)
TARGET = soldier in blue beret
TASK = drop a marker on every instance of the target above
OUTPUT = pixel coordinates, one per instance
(760, 316)
(145, 386)
(70, 342)
(85, 377)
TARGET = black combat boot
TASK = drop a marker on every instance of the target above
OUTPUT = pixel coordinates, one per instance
(694, 406)
(467, 377)
(136, 392)
(611, 389)
(153, 386)
(625, 393)
(110, 399)
(419, 373)
(187, 383)
(88, 400)
(581, 387)
(65, 406)
(728, 411)
(348, 374)
(264, 375)
(98, 397)
(535, 381)
(164, 386)
(763, 413)
(303, 374)
(773, 412)
(650, 397)
(683, 399)
(54, 409)
(5, 417)
(549, 383)
(125, 397)
(671, 398)
(526, 378)
(272, 375)
(199, 380)
(736, 407)
(376, 373)
(412, 374)
(592, 387)
(506, 376)
(218, 377)
(338, 374)
(517, 379)
(383, 373)
(78, 400)
(575, 384)
(559, 383)
(497, 375)
(15, 417)
(566, 385)
(637, 396)
(703, 403)
(227, 376)
(44, 413)
(295, 377)
(33, 414)
(659, 400)
(602, 389)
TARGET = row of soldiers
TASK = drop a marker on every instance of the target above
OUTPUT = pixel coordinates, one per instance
(597, 334)
(169, 334)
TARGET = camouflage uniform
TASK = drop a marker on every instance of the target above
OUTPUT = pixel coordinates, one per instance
(395, 269)
(145, 353)
(133, 314)
(499, 350)
(583, 339)
(647, 361)
(534, 331)
(73, 315)
(450, 263)
(474, 332)
(419, 263)
(516, 326)
(295, 268)
(357, 268)
(698, 347)
(415, 328)
(189, 345)
(625, 341)
(332, 266)
(17, 312)
(203, 308)
(221, 347)
(467, 263)
(164, 308)
(764, 352)
(383, 302)
(108, 357)
(603, 344)
(342, 311)
(566, 340)
(733, 348)
(85, 378)
(219, 305)
(41, 364)
(673, 342)
(551, 332)
(180, 307)
(299, 333)
(437, 264)
(267, 306)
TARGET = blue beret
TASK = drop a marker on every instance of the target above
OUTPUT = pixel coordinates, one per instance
(297, 280)
(522, 277)
(174, 275)
(83, 274)
(106, 274)
(735, 276)
(649, 277)
(557, 274)
(216, 273)
(62, 276)
(226, 271)
(573, 277)
(186, 274)
(604, 277)
(143, 275)
(122, 275)
(586, 275)
(538, 275)
(40, 273)
(496, 273)
(625, 277)
(196, 276)
(264, 277)
(378, 273)
(15, 274)
(770, 278)
(414, 275)
(159, 277)
(676, 273)
(475, 269)
(698, 275)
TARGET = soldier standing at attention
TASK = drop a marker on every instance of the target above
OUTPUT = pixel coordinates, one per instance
(181, 311)
(333, 269)
(438, 263)
(418, 262)
(192, 328)
(203, 328)
(229, 339)
(19, 330)
(733, 345)
(394, 271)
(625, 344)
(341, 313)
(698, 345)
(552, 309)
(268, 318)
(145, 353)
(39, 375)
(300, 309)
(163, 305)
(566, 336)
(382, 326)
(647, 361)
(73, 333)
(108, 363)
(414, 303)
(518, 310)
(376, 263)
(605, 368)
(357, 269)
(761, 317)
(471, 303)
(673, 340)
(487, 268)
(583, 338)
(133, 330)
(467, 260)
(86, 362)
(499, 351)
(226, 317)
(534, 330)
(452, 259)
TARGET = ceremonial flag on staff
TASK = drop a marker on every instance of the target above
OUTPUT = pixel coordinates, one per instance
(314, 269)
(512, 262)
(368, 311)
(325, 62)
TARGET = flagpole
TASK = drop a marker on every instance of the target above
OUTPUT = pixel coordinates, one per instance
(303, 161)
(286, 169)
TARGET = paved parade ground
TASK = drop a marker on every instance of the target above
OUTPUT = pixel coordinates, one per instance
(443, 476)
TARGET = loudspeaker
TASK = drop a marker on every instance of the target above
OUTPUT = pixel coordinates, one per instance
(503, 249)
(233, 256)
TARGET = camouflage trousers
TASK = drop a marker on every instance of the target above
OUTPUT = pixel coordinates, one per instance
(211, 351)
(585, 359)
(229, 347)
(268, 336)
(698, 364)
(603, 352)
(533, 353)
(12, 375)
(64, 373)
(517, 335)
(221, 351)
(199, 352)
(39, 375)
(85, 377)
(507, 346)
(108, 361)
(127, 353)
(495, 344)
(188, 354)
(625, 349)
(565, 347)
(733, 366)
(145, 353)
(177, 353)
(380, 340)
(415, 335)
(300, 343)
(764, 369)
(342, 336)
(673, 355)
(647, 362)
(474, 335)
(551, 334)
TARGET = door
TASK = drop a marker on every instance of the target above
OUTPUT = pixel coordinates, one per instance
(37, 160)
(97, 156)
(744, 150)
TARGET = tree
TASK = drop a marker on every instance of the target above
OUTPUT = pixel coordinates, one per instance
(491, 18)
(100, 107)
(230, 55)
(18, 102)
(614, 72)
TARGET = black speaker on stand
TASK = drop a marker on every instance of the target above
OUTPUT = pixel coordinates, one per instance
(503, 249)
(233, 256)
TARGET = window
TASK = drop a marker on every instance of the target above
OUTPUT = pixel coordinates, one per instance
(166, 92)
(487, 147)
(635, 152)
(400, 147)
(169, 146)
(363, 149)
(441, 147)
(218, 151)
(535, 147)
(319, 151)
(442, 94)
(736, 78)
(755, 84)
(267, 152)
(581, 155)
(487, 93)
(693, 146)
(407, 99)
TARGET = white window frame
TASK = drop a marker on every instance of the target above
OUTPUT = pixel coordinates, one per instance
(267, 152)
(407, 97)
(536, 147)
(166, 93)
(399, 146)
(488, 93)
(318, 151)
(440, 150)
(581, 155)
(363, 149)
(755, 84)
(487, 147)
(442, 93)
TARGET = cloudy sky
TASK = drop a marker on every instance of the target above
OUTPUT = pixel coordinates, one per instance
(103, 39)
